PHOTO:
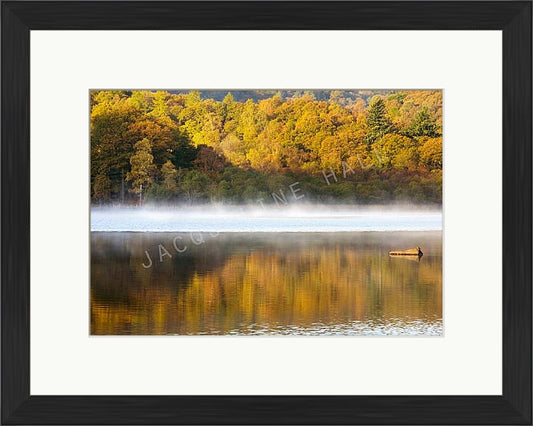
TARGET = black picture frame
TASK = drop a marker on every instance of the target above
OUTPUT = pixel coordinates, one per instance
(20, 17)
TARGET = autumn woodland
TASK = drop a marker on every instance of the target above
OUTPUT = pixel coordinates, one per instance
(241, 146)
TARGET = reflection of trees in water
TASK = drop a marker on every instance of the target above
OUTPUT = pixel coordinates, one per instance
(117, 259)
(234, 281)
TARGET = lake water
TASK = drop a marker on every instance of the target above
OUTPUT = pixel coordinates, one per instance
(261, 283)
(283, 219)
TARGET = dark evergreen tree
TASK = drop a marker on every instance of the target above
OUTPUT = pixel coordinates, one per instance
(423, 124)
(377, 121)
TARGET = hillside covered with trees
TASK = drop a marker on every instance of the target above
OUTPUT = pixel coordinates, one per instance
(352, 146)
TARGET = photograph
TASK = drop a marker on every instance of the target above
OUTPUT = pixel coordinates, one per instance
(266, 212)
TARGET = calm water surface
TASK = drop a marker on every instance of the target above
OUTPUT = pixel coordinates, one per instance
(301, 283)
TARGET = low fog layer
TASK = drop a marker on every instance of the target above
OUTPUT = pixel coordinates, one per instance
(304, 218)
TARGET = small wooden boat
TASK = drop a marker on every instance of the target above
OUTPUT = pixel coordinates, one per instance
(409, 252)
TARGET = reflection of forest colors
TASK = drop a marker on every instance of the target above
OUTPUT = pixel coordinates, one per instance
(278, 281)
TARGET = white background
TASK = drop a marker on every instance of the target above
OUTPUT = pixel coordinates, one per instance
(66, 360)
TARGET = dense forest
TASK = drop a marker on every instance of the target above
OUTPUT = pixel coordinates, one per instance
(343, 146)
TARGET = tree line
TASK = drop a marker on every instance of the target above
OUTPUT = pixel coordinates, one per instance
(197, 147)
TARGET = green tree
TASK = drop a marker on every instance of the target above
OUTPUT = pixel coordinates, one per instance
(195, 185)
(377, 120)
(229, 106)
(423, 124)
(142, 170)
(169, 175)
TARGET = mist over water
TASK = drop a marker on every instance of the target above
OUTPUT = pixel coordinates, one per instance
(301, 218)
